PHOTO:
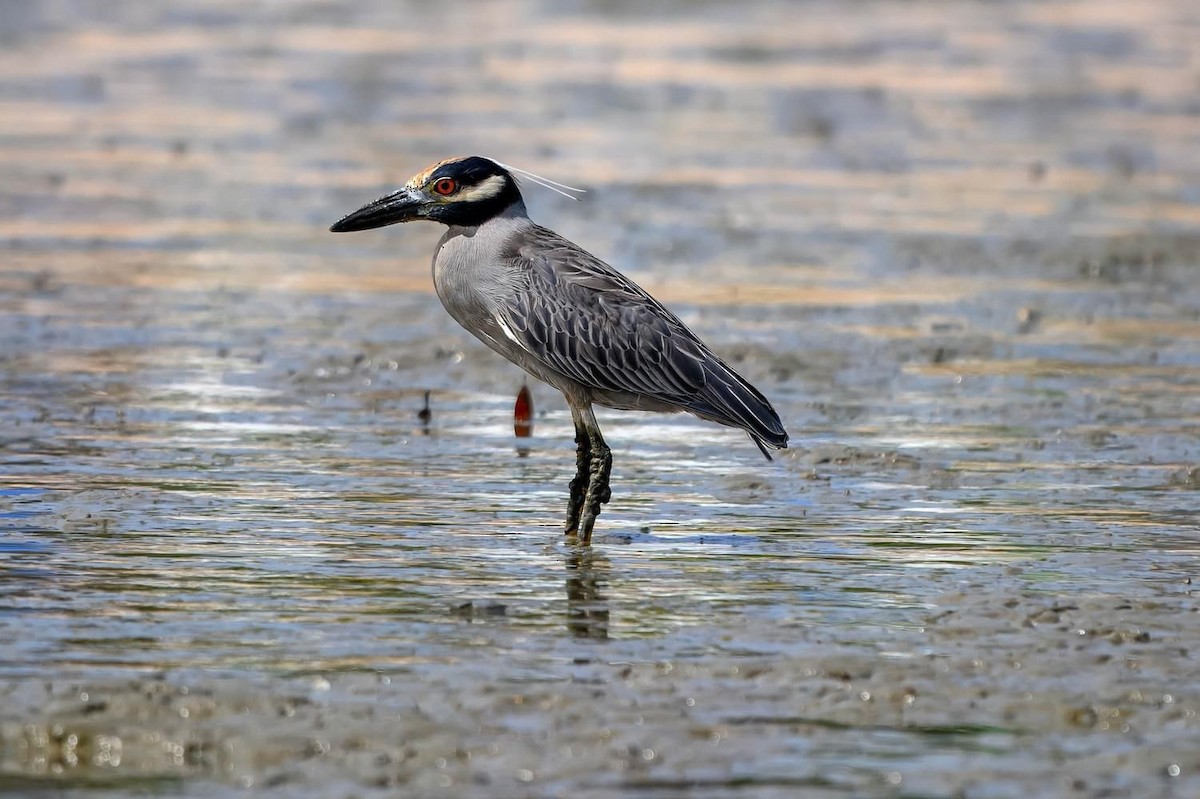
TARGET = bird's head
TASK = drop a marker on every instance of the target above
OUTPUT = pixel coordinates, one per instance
(458, 191)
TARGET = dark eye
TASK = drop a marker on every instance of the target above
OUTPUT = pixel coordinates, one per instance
(445, 186)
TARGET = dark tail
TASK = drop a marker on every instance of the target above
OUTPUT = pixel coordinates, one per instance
(728, 399)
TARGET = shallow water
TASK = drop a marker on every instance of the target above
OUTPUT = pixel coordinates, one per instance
(957, 246)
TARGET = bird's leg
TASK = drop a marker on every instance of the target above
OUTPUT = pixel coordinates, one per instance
(598, 491)
(583, 458)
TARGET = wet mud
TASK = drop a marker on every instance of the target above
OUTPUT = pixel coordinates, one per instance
(265, 528)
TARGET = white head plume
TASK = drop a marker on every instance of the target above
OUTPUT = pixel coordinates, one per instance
(552, 185)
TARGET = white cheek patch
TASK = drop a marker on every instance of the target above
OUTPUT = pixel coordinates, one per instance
(482, 191)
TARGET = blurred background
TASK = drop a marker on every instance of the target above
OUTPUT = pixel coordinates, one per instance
(718, 136)
(956, 243)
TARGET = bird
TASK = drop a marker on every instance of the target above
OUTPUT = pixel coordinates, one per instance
(564, 316)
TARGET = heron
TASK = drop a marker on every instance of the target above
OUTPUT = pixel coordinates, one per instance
(564, 316)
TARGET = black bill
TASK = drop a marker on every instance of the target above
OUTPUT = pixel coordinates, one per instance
(400, 206)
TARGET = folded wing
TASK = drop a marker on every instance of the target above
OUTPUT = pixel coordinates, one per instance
(589, 323)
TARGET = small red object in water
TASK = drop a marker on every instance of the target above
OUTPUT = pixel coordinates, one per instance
(523, 413)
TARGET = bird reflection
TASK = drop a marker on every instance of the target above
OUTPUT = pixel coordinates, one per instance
(587, 607)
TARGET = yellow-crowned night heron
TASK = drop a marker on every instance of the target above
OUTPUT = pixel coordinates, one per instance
(564, 316)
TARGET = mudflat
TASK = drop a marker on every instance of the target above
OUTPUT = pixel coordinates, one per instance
(956, 244)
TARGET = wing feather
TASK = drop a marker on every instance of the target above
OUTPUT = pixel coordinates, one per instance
(582, 319)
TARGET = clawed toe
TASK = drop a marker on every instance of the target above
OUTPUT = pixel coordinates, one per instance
(589, 489)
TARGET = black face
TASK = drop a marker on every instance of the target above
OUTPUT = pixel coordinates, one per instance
(466, 191)
(482, 189)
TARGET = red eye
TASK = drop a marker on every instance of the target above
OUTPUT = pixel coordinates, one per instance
(445, 186)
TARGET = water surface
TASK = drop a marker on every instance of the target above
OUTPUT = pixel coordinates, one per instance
(956, 245)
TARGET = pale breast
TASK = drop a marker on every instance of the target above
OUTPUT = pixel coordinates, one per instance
(474, 280)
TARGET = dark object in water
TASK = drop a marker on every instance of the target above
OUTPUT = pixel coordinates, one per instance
(523, 413)
(425, 415)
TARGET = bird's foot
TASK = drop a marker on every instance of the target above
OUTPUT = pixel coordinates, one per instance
(575, 503)
(598, 493)
(579, 485)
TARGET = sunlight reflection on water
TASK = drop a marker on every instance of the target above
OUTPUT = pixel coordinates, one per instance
(954, 244)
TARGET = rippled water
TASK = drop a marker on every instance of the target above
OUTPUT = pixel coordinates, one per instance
(957, 245)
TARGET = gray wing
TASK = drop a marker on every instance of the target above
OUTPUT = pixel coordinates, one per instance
(581, 318)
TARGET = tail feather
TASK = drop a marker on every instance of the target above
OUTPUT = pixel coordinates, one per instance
(728, 399)
(758, 442)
